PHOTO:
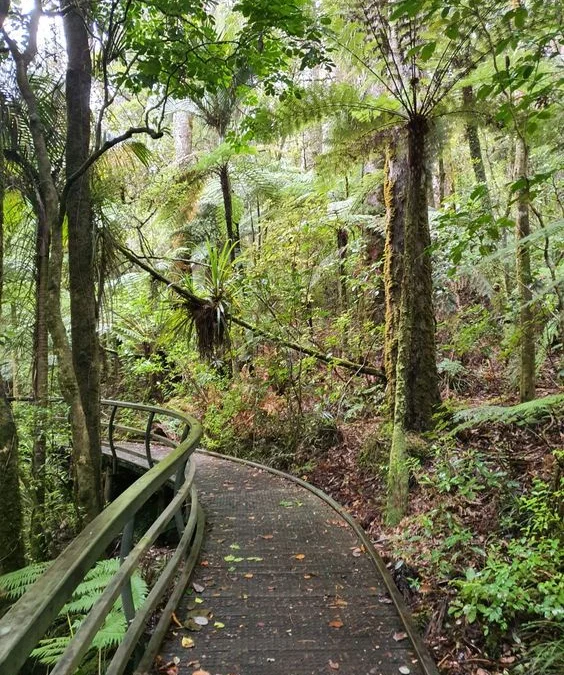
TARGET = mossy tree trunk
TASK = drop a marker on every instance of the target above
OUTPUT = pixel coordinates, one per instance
(87, 490)
(524, 278)
(475, 147)
(415, 393)
(82, 237)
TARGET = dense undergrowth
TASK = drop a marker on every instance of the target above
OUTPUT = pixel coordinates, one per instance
(480, 556)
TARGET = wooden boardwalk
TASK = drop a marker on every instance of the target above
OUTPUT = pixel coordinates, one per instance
(284, 586)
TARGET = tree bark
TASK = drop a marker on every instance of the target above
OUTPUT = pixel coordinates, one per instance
(82, 234)
(475, 148)
(524, 278)
(232, 227)
(40, 386)
(11, 518)
(86, 488)
(416, 392)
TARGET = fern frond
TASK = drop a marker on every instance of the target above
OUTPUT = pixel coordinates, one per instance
(523, 414)
(15, 584)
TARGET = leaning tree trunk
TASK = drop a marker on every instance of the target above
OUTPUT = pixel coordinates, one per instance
(416, 392)
(85, 347)
(524, 279)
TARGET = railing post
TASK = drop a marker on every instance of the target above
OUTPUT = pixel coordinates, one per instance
(178, 481)
(150, 419)
(111, 438)
(126, 592)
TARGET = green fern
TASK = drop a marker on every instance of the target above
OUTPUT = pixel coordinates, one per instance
(523, 414)
(50, 649)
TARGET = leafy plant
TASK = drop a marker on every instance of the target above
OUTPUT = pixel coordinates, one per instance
(50, 649)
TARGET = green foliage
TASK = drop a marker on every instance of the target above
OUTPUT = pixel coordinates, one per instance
(523, 414)
(521, 580)
(50, 649)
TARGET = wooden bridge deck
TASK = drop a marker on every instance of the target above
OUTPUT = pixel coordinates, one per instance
(284, 586)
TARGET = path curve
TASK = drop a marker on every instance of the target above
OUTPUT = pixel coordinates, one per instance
(288, 585)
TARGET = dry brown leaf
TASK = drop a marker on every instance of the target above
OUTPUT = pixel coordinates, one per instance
(398, 637)
(299, 556)
(188, 643)
(201, 672)
(248, 576)
(336, 623)
(266, 536)
(333, 665)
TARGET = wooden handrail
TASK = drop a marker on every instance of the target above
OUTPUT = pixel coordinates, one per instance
(29, 618)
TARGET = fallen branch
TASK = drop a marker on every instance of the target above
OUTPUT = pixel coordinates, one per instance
(195, 303)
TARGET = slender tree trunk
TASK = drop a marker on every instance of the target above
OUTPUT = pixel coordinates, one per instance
(416, 391)
(524, 279)
(40, 387)
(11, 519)
(85, 484)
(82, 235)
(232, 227)
(342, 250)
(395, 192)
(475, 148)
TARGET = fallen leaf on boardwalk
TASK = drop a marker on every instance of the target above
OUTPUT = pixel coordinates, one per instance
(357, 552)
(266, 536)
(299, 556)
(198, 601)
(198, 587)
(176, 621)
(235, 547)
(404, 670)
(201, 620)
(200, 672)
(219, 625)
(187, 642)
(339, 602)
(398, 637)
(248, 576)
(190, 624)
(385, 600)
(333, 664)
(336, 623)
(204, 563)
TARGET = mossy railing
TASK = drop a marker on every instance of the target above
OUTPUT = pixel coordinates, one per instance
(27, 621)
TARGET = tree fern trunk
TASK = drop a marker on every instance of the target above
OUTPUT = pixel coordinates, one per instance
(231, 227)
(416, 391)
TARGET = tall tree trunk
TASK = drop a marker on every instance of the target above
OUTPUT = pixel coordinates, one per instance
(232, 227)
(40, 387)
(82, 236)
(524, 278)
(395, 191)
(475, 148)
(86, 487)
(416, 391)
(11, 519)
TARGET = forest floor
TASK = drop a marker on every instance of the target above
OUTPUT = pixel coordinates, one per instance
(459, 497)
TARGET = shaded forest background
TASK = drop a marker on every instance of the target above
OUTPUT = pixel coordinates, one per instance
(332, 232)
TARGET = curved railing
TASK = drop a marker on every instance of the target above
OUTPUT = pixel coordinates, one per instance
(30, 617)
